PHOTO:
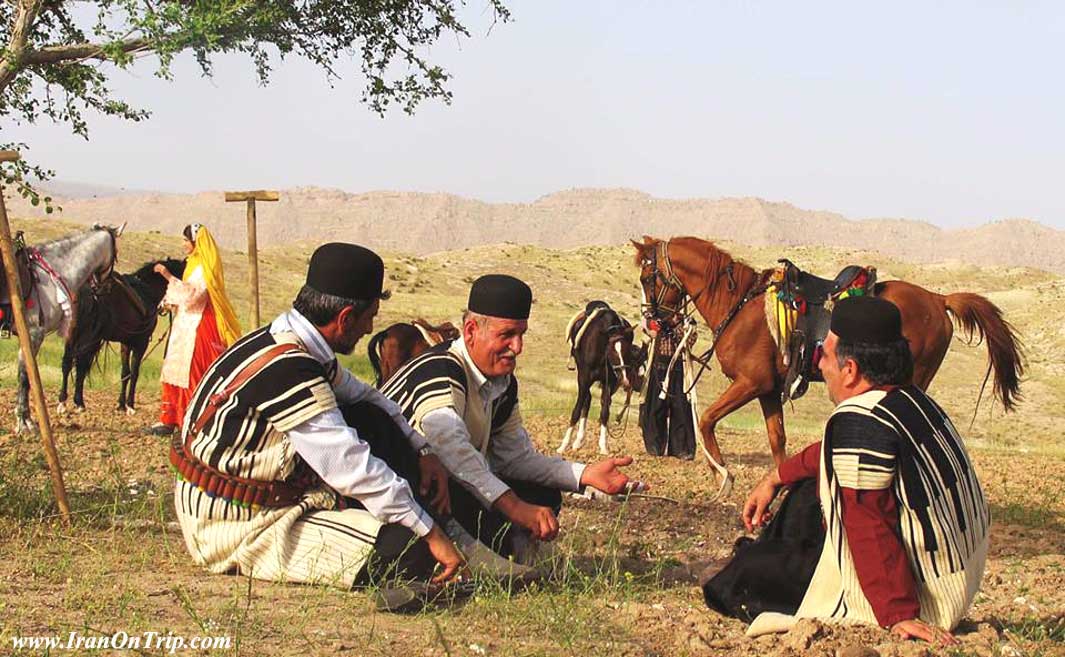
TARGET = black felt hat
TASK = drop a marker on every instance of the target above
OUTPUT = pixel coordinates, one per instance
(346, 270)
(499, 295)
(871, 320)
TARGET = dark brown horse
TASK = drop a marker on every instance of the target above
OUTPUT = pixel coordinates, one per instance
(729, 295)
(391, 348)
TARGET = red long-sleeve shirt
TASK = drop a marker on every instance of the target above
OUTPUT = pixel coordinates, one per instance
(870, 520)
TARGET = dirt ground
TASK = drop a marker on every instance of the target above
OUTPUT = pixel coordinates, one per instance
(628, 583)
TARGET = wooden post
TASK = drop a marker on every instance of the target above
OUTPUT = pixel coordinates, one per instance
(22, 326)
(253, 244)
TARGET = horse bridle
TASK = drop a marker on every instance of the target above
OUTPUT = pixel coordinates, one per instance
(653, 307)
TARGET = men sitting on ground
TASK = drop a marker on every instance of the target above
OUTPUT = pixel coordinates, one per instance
(274, 483)
(463, 396)
(907, 522)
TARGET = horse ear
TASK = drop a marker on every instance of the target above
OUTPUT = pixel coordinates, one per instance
(120, 229)
(637, 245)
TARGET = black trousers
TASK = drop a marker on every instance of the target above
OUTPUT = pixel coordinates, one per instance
(490, 526)
(773, 571)
(398, 552)
(667, 424)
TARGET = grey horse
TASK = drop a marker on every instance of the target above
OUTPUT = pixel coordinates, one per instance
(61, 267)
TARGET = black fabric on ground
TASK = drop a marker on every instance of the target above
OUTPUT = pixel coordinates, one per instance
(490, 526)
(773, 571)
(667, 424)
(398, 552)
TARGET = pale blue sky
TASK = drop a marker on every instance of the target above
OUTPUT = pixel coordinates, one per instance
(949, 112)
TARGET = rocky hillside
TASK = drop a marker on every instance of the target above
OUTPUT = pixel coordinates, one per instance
(421, 223)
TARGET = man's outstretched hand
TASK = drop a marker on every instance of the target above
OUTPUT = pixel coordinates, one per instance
(606, 476)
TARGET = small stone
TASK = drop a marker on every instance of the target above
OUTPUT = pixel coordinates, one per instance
(696, 642)
(799, 637)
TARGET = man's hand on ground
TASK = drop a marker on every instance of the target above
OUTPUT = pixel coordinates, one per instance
(606, 476)
(539, 520)
(445, 553)
(918, 629)
(756, 509)
(434, 478)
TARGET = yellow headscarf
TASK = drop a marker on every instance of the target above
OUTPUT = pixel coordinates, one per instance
(205, 254)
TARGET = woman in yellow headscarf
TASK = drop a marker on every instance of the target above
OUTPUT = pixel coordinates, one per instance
(204, 325)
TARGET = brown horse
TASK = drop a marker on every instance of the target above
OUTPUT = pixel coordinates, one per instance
(729, 294)
(391, 348)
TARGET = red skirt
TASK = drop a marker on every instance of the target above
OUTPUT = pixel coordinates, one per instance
(208, 348)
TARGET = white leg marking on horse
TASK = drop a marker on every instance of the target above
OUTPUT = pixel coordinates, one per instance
(580, 433)
(61, 408)
(130, 410)
(624, 370)
(565, 440)
(602, 440)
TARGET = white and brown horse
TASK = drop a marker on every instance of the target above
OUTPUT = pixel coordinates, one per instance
(601, 342)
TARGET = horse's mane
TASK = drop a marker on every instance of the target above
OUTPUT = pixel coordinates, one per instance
(142, 278)
(719, 258)
(65, 239)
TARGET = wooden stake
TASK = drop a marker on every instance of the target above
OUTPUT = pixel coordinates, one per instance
(40, 406)
(253, 245)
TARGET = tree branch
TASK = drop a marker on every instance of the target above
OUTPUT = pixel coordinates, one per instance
(11, 59)
(81, 51)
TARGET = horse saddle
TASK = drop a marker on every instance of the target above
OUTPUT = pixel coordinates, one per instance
(25, 279)
(802, 309)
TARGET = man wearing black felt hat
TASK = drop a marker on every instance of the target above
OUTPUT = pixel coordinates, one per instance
(907, 522)
(291, 469)
(463, 396)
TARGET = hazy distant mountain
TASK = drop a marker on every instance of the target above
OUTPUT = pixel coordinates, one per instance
(76, 190)
(426, 222)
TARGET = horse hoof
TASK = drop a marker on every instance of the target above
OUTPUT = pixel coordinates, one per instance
(61, 408)
(130, 411)
(79, 409)
(604, 451)
(726, 488)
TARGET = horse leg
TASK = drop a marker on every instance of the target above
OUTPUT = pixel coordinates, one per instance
(585, 402)
(604, 417)
(575, 416)
(124, 383)
(136, 356)
(23, 421)
(84, 364)
(68, 364)
(735, 396)
(773, 412)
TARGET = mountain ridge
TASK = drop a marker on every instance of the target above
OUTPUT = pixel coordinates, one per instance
(427, 222)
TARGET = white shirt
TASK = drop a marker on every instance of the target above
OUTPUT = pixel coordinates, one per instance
(334, 450)
(507, 453)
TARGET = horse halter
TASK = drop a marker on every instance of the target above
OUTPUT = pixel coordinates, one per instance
(661, 283)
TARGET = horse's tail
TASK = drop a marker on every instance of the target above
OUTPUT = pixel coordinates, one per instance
(373, 350)
(981, 319)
